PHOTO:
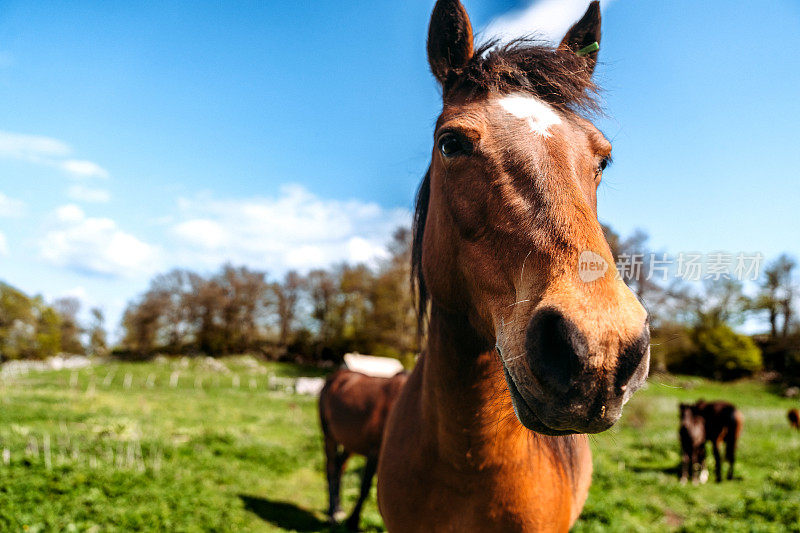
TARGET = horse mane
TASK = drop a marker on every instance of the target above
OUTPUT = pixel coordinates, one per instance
(418, 287)
(556, 76)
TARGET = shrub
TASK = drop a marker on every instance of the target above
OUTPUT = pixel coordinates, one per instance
(781, 354)
(792, 362)
(722, 353)
(714, 351)
(669, 348)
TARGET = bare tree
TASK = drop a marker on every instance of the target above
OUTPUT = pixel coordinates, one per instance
(204, 302)
(68, 308)
(141, 322)
(171, 291)
(639, 270)
(97, 333)
(776, 295)
(393, 320)
(243, 305)
(322, 291)
(287, 295)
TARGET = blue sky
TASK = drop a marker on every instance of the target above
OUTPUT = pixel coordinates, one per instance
(139, 137)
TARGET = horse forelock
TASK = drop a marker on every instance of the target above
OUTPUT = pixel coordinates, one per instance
(556, 76)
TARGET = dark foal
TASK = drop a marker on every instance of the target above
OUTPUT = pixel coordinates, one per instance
(794, 418)
(703, 422)
(353, 408)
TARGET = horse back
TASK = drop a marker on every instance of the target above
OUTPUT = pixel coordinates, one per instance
(354, 407)
(723, 421)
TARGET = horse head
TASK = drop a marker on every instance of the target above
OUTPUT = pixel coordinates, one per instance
(506, 228)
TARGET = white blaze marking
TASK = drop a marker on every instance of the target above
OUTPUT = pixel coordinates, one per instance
(539, 116)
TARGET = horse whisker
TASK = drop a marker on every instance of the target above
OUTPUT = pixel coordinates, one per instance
(522, 272)
(665, 385)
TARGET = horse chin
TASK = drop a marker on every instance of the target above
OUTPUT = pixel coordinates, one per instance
(526, 415)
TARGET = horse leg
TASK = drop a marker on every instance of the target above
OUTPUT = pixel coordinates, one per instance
(717, 460)
(366, 485)
(334, 465)
(686, 467)
(730, 453)
(701, 465)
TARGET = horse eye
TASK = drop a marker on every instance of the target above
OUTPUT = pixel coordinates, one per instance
(451, 145)
(602, 166)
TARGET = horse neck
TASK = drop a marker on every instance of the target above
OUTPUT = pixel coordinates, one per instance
(465, 402)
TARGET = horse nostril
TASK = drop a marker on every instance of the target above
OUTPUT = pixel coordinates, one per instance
(630, 360)
(555, 349)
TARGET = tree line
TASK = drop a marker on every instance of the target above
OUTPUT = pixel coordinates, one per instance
(314, 317)
(321, 315)
(30, 328)
(694, 325)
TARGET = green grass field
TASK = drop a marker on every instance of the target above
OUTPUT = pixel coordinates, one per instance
(181, 445)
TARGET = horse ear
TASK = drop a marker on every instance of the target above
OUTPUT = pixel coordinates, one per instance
(582, 36)
(450, 43)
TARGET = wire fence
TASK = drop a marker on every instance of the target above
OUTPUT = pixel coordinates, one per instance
(58, 450)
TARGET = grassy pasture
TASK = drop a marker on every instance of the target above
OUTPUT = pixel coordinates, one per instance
(182, 445)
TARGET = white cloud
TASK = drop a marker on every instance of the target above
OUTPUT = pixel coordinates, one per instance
(78, 292)
(31, 147)
(84, 169)
(11, 207)
(361, 250)
(3, 244)
(296, 229)
(43, 150)
(544, 19)
(201, 233)
(69, 213)
(95, 246)
(82, 193)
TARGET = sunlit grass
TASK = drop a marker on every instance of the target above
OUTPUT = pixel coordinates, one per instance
(635, 485)
(184, 445)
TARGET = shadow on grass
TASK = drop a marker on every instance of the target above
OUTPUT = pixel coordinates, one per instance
(286, 515)
(675, 471)
(670, 470)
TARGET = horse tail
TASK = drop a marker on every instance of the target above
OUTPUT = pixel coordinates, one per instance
(736, 422)
(323, 422)
(794, 418)
(738, 419)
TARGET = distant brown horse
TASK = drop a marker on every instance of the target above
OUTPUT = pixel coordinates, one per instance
(702, 422)
(532, 338)
(794, 418)
(353, 408)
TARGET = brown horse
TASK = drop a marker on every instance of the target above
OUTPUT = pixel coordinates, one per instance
(353, 409)
(532, 338)
(703, 422)
(794, 418)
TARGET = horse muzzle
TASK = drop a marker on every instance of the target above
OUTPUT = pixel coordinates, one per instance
(565, 388)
